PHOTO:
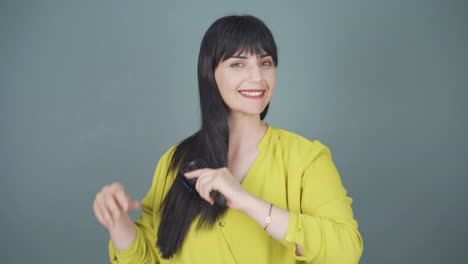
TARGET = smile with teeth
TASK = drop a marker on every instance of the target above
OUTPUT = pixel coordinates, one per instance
(253, 93)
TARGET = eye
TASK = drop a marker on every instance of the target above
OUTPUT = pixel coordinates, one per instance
(267, 63)
(236, 65)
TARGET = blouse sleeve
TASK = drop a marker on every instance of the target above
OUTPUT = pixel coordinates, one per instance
(325, 227)
(143, 249)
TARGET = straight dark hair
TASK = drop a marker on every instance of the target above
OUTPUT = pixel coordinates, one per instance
(226, 37)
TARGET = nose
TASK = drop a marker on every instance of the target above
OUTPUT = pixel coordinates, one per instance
(256, 73)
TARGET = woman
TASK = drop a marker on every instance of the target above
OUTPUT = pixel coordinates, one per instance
(285, 200)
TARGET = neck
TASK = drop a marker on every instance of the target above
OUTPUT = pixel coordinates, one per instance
(245, 132)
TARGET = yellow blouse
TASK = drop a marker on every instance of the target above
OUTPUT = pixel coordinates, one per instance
(291, 172)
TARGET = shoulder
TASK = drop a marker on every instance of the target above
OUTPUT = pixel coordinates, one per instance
(310, 161)
(162, 178)
(298, 146)
(164, 163)
(168, 153)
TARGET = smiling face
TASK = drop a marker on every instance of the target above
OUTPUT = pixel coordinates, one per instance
(246, 82)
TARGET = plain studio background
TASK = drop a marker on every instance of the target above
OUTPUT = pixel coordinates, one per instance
(95, 91)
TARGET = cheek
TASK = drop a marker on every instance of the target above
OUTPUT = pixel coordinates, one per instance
(271, 80)
(227, 83)
(225, 86)
(222, 86)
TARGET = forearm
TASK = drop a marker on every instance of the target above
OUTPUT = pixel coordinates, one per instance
(124, 232)
(133, 242)
(258, 209)
(324, 238)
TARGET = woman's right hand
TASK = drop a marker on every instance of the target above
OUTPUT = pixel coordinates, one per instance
(111, 202)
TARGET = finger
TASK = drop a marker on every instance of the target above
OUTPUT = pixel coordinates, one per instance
(124, 201)
(212, 200)
(98, 214)
(201, 182)
(116, 185)
(106, 216)
(214, 183)
(134, 205)
(205, 187)
(195, 173)
(207, 194)
(103, 211)
(122, 198)
(199, 187)
(101, 220)
(113, 209)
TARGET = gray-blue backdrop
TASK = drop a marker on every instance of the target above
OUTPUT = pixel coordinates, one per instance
(95, 91)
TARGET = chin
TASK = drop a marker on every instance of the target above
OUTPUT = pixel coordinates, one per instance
(253, 110)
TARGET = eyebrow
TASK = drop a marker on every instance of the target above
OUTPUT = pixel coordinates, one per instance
(244, 57)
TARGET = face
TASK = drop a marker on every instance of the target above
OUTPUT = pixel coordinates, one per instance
(246, 82)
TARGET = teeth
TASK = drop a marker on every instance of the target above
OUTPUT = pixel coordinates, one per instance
(251, 93)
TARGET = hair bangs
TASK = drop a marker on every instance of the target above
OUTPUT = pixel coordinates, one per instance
(245, 35)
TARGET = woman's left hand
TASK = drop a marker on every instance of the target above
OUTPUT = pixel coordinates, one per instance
(220, 180)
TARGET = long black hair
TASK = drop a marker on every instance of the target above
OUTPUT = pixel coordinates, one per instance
(224, 38)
